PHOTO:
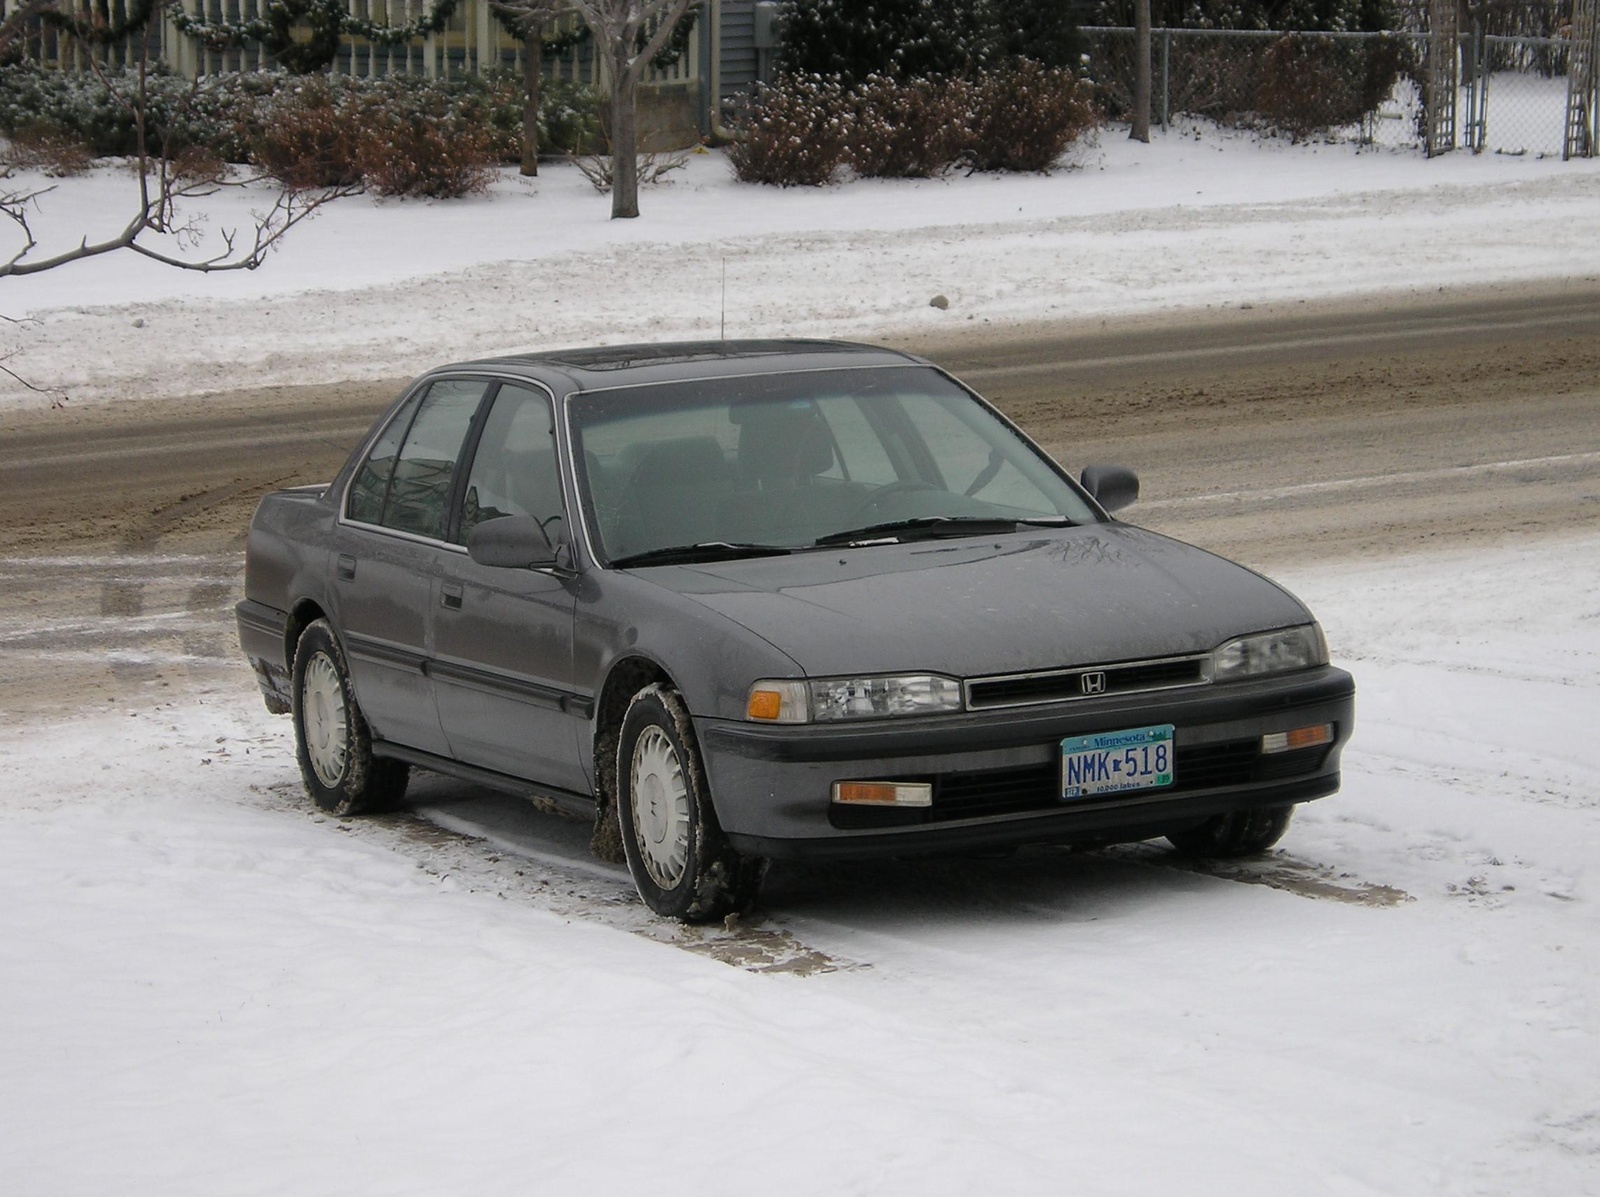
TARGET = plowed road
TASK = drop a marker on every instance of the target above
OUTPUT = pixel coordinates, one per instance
(1286, 432)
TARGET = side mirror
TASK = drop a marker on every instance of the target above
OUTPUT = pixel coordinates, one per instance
(511, 542)
(1113, 487)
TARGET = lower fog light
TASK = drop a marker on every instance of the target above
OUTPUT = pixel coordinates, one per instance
(883, 793)
(1300, 737)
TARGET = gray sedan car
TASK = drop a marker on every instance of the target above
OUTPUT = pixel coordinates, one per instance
(749, 600)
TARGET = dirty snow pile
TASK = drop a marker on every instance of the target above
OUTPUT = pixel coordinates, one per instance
(383, 289)
(206, 990)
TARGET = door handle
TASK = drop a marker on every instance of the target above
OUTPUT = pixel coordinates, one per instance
(347, 567)
(450, 595)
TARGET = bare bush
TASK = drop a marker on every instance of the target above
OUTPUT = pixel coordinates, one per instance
(399, 139)
(424, 155)
(804, 129)
(652, 167)
(50, 150)
(1023, 118)
(312, 138)
(795, 133)
(907, 130)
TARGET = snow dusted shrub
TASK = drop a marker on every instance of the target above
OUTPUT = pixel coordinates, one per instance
(804, 128)
(312, 137)
(1302, 88)
(47, 148)
(906, 130)
(795, 133)
(488, 107)
(1025, 116)
(569, 117)
(96, 111)
(396, 136)
(414, 152)
(1310, 84)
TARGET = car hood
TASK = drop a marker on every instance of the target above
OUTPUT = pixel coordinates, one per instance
(1008, 604)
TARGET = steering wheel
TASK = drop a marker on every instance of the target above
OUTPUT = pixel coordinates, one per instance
(877, 498)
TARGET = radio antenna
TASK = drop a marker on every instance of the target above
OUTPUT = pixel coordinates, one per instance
(723, 315)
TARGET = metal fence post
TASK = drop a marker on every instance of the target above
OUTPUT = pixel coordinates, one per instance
(1480, 75)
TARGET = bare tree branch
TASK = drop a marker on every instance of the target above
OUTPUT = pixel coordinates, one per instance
(58, 397)
(161, 188)
(163, 184)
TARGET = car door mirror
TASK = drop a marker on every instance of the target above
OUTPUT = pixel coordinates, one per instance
(1113, 487)
(511, 542)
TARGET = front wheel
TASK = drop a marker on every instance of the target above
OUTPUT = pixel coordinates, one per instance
(333, 743)
(680, 859)
(1237, 833)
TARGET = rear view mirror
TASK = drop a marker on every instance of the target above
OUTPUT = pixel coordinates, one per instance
(1113, 487)
(511, 542)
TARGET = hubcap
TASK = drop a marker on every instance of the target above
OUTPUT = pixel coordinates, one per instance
(325, 720)
(660, 808)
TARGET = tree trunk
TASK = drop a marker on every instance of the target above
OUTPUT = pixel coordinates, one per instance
(624, 145)
(1141, 72)
(532, 64)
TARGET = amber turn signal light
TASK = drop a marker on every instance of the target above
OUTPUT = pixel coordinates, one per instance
(1300, 737)
(883, 793)
(764, 704)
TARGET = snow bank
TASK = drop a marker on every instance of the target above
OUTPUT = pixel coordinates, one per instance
(205, 989)
(375, 289)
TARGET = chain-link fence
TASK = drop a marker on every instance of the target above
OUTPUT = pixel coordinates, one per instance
(1515, 95)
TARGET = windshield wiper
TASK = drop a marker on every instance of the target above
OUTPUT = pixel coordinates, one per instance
(706, 550)
(928, 527)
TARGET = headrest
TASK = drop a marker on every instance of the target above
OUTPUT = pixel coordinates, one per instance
(782, 441)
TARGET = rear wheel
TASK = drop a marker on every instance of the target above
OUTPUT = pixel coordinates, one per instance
(333, 743)
(1237, 833)
(680, 859)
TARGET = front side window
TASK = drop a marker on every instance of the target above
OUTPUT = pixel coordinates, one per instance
(788, 460)
(514, 468)
(418, 500)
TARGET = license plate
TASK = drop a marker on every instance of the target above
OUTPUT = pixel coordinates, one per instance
(1139, 758)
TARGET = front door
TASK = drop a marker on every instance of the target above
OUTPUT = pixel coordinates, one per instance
(502, 638)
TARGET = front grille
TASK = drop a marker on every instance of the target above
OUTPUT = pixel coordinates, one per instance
(1037, 787)
(1062, 685)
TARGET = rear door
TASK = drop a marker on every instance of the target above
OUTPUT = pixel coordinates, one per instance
(502, 638)
(387, 559)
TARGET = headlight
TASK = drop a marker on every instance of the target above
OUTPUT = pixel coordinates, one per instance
(1270, 652)
(833, 699)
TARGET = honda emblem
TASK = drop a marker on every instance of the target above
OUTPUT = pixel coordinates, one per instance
(1092, 683)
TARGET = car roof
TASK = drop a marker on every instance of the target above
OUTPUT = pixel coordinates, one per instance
(606, 367)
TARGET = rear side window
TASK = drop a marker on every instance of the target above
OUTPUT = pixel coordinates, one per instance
(371, 484)
(421, 476)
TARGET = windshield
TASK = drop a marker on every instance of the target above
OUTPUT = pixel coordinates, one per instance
(800, 459)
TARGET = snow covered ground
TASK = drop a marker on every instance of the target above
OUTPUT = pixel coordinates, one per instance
(381, 289)
(205, 989)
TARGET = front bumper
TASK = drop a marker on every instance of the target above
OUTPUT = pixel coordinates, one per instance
(994, 772)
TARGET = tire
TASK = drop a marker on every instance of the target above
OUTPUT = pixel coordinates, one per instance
(332, 741)
(1237, 833)
(682, 864)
